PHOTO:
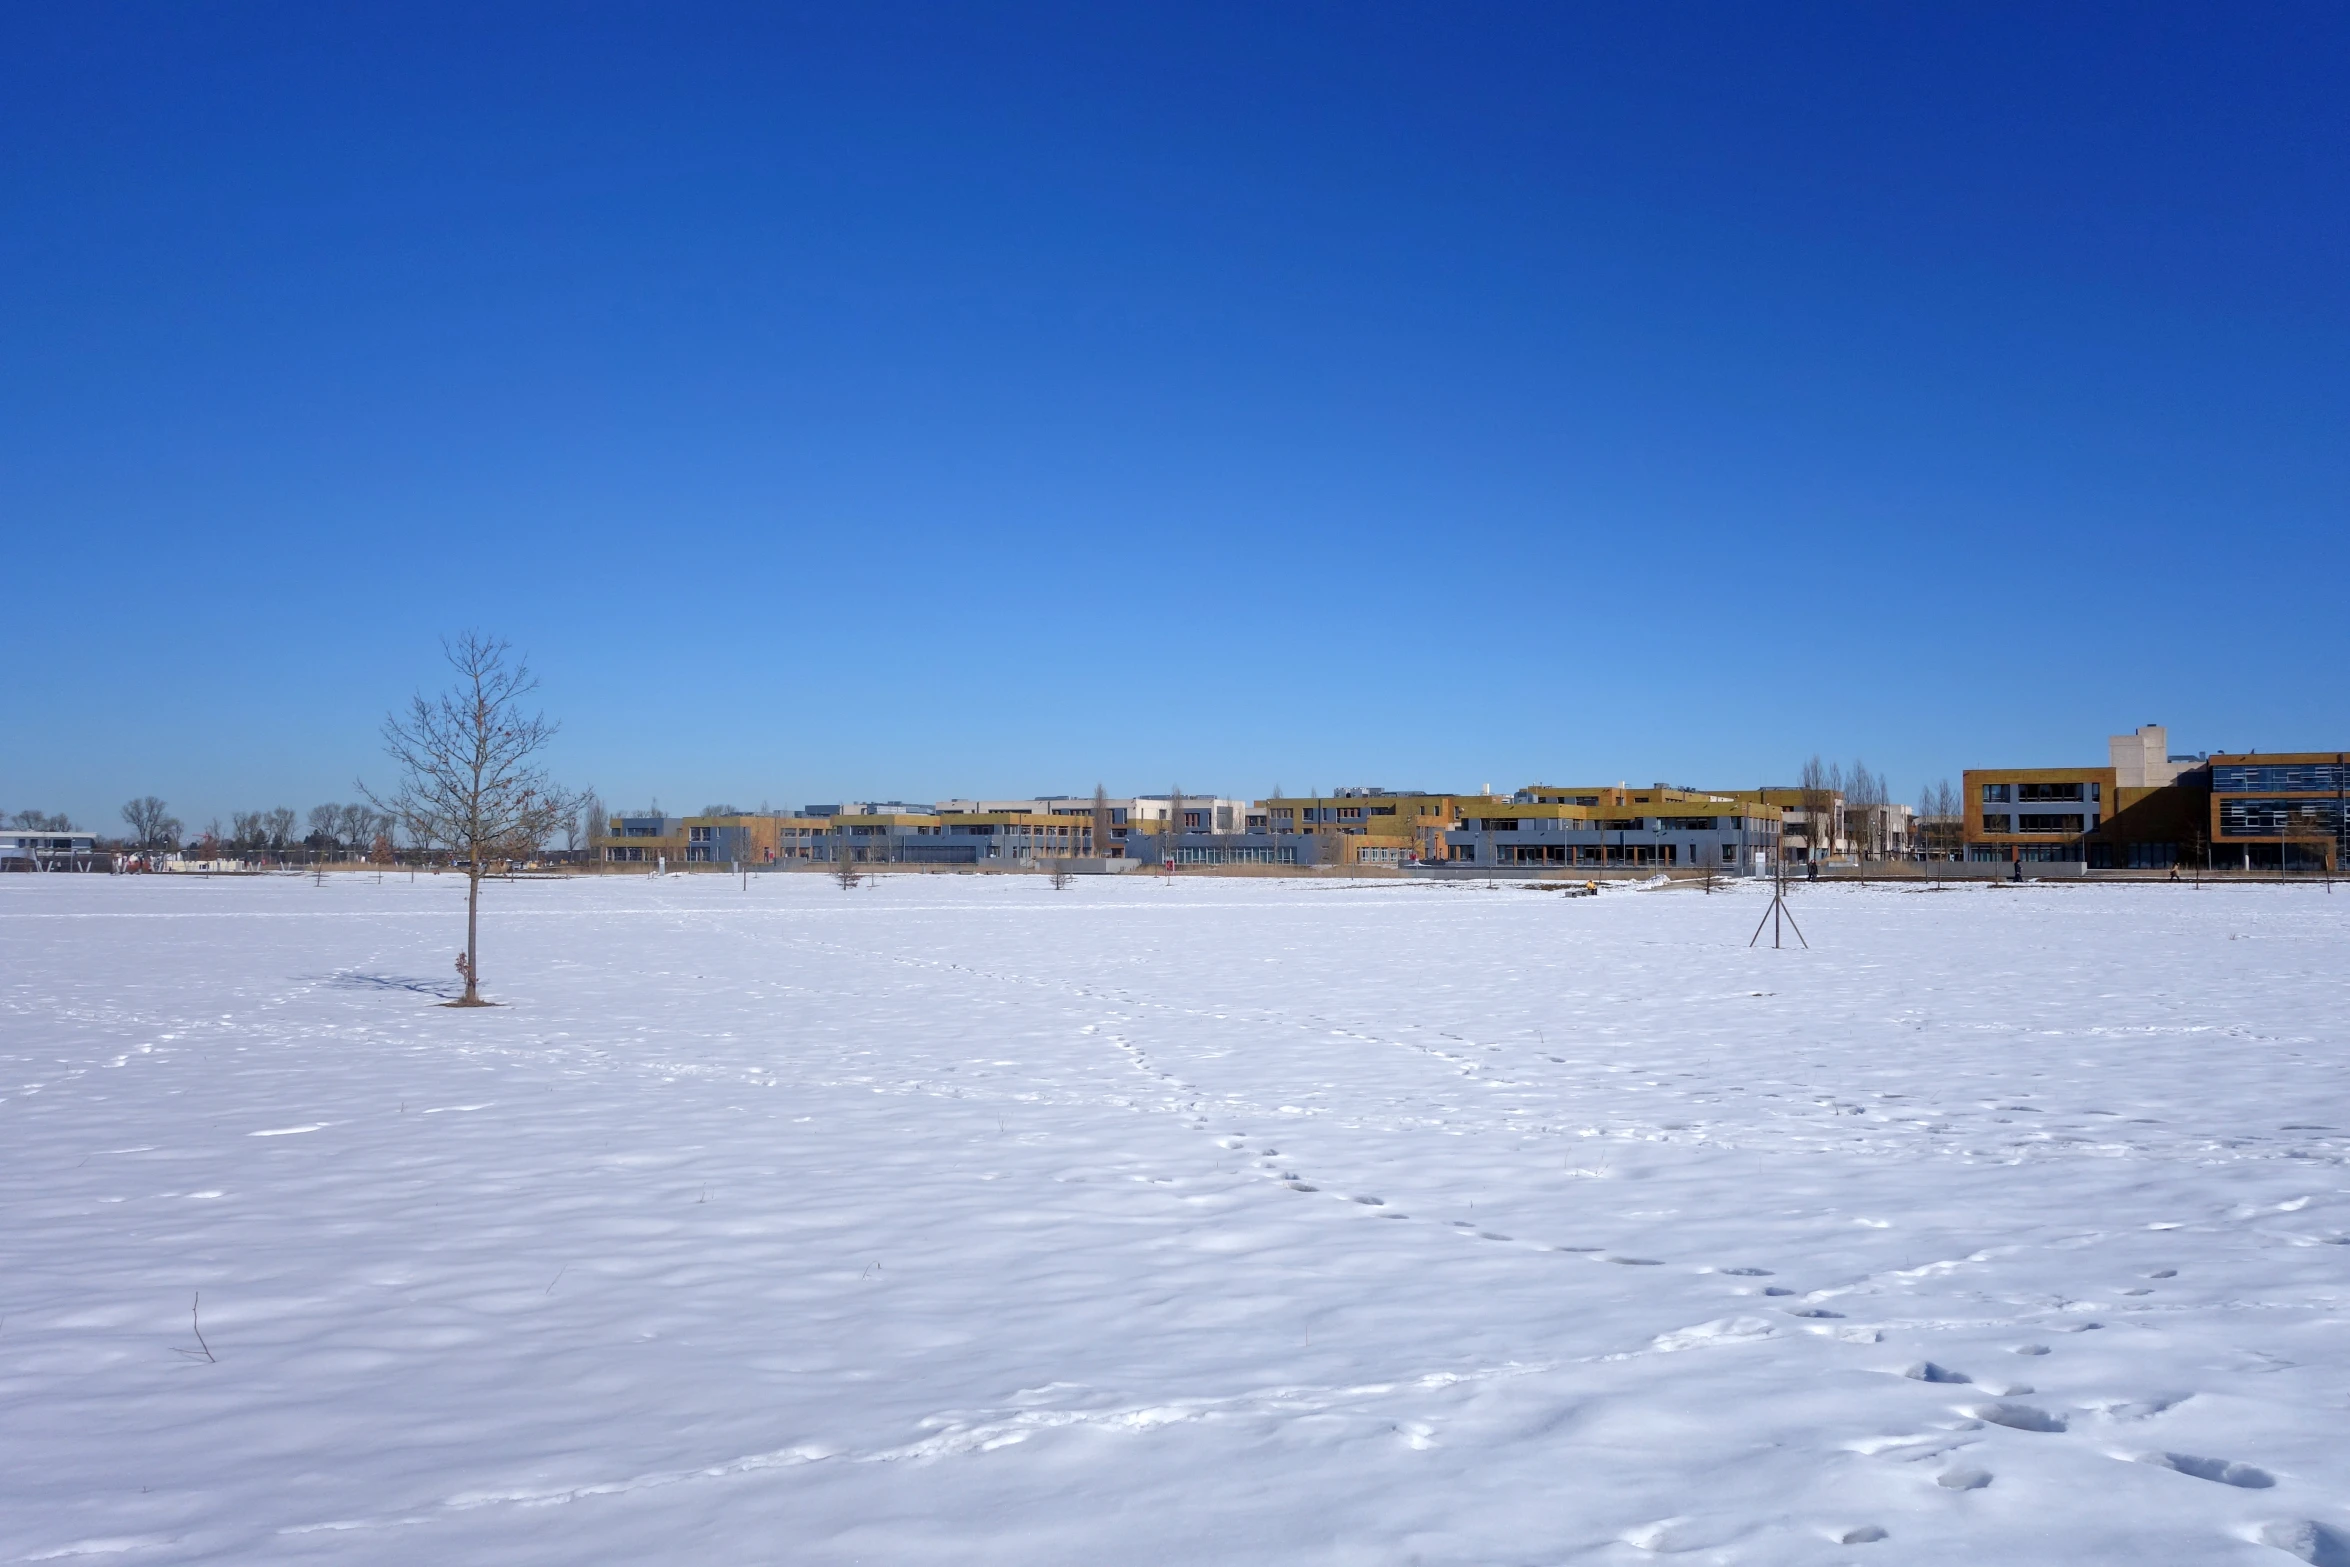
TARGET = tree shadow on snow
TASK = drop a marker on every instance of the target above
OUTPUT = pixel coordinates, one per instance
(352, 979)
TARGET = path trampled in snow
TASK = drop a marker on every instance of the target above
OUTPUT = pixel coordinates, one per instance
(956, 1220)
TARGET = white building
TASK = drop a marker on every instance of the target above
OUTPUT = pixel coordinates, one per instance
(2142, 759)
(41, 848)
(1147, 813)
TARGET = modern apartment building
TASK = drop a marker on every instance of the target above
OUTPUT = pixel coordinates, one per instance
(2035, 814)
(2274, 810)
(1389, 826)
(1603, 826)
(1813, 827)
(643, 838)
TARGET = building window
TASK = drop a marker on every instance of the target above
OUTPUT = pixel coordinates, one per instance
(2307, 777)
(2272, 818)
(2031, 792)
(2048, 823)
(2001, 822)
(1996, 794)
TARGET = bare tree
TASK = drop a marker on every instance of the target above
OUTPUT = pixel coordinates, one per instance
(326, 822)
(1868, 793)
(248, 829)
(1101, 820)
(279, 824)
(153, 828)
(1174, 823)
(1817, 785)
(43, 821)
(585, 830)
(1941, 820)
(596, 820)
(468, 775)
(2305, 830)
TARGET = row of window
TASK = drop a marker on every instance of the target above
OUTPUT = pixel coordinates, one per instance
(2037, 821)
(1612, 824)
(2034, 793)
(1591, 854)
(2277, 818)
(2303, 776)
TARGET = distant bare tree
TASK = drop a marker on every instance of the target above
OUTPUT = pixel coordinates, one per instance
(1817, 786)
(1868, 793)
(2305, 830)
(248, 829)
(1941, 820)
(1101, 820)
(594, 820)
(326, 821)
(279, 824)
(469, 775)
(154, 830)
(844, 869)
(43, 821)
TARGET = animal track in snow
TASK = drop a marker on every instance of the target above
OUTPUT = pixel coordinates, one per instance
(1927, 1371)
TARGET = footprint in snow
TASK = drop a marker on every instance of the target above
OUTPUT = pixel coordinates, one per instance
(2017, 1417)
(1963, 1479)
(1927, 1371)
(1747, 1273)
(2318, 1544)
(2219, 1470)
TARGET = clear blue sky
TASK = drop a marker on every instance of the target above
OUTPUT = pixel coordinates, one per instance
(852, 400)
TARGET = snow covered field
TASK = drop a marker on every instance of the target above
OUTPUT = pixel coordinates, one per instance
(956, 1220)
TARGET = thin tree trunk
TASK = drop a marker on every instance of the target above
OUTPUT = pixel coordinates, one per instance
(472, 928)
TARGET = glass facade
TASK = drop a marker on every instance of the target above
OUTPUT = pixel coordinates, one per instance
(2256, 818)
(2271, 818)
(2306, 777)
